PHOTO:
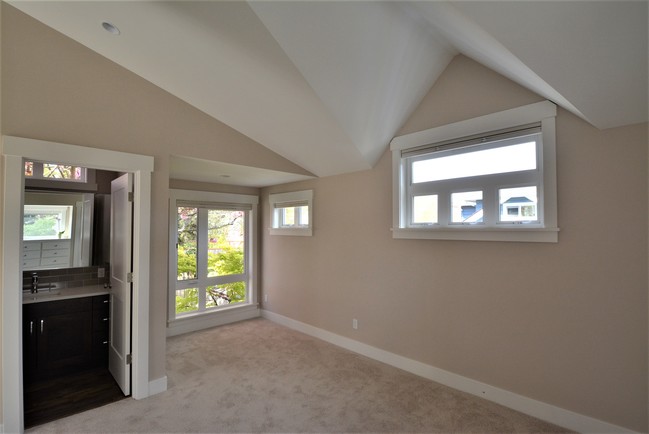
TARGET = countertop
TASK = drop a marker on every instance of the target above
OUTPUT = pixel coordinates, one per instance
(64, 294)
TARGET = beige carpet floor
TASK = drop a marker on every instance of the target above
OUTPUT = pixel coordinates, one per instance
(257, 376)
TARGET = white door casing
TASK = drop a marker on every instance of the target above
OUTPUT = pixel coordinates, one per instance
(121, 212)
(14, 151)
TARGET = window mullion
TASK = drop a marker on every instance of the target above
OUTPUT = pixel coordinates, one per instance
(37, 170)
(201, 258)
(444, 206)
(490, 204)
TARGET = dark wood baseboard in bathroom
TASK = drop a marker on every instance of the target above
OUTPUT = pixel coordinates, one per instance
(49, 400)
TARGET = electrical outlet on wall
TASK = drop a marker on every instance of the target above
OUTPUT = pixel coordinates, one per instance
(101, 272)
(355, 324)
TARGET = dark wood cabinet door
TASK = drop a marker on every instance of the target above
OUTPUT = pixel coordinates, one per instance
(64, 342)
(65, 336)
(29, 346)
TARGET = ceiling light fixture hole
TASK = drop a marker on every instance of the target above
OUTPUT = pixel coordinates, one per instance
(110, 28)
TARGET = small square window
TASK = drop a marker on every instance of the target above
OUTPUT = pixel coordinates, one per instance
(291, 213)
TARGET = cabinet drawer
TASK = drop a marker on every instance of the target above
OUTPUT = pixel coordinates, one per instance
(100, 348)
(100, 322)
(31, 254)
(53, 245)
(32, 246)
(100, 303)
(64, 253)
(28, 263)
(100, 312)
(55, 261)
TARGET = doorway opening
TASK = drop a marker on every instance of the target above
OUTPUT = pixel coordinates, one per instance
(71, 293)
(15, 150)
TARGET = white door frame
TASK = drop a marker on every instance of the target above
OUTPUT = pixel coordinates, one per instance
(14, 150)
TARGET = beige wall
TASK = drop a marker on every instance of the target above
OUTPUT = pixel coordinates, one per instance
(57, 90)
(562, 323)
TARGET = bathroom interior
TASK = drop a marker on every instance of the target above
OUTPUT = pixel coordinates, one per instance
(66, 316)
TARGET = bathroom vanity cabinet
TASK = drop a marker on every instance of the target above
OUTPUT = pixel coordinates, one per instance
(65, 336)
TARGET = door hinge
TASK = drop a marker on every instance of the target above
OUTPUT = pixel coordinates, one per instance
(129, 359)
(130, 196)
(129, 277)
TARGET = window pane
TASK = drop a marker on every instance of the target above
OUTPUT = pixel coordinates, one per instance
(513, 158)
(60, 171)
(304, 216)
(29, 168)
(466, 207)
(187, 247)
(47, 222)
(288, 216)
(228, 293)
(186, 300)
(225, 242)
(518, 204)
(424, 209)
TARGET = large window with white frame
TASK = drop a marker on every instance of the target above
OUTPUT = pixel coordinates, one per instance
(212, 259)
(489, 178)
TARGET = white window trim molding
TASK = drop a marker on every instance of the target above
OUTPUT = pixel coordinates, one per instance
(14, 151)
(293, 196)
(543, 112)
(198, 321)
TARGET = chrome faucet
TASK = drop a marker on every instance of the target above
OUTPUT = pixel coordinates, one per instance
(34, 283)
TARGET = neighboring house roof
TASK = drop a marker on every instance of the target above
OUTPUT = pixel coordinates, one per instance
(518, 199)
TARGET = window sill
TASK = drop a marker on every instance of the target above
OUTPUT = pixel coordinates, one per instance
(211, 318)
(528, 235)
(304, 232)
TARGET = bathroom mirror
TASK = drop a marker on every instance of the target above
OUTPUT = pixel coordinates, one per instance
(58, 230)
(64, 229)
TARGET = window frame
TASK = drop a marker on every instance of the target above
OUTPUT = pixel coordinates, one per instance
(293, 199)
(249, 308)
(545, 230)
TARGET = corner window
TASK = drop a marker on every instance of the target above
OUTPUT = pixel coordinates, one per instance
(491, 178)
(212, 252)
(291, 213)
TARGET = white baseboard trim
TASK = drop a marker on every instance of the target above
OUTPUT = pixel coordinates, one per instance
(556, 415)
(158, 385)
(217, 318)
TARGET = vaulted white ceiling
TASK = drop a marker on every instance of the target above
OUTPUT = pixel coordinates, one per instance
(328, 84)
